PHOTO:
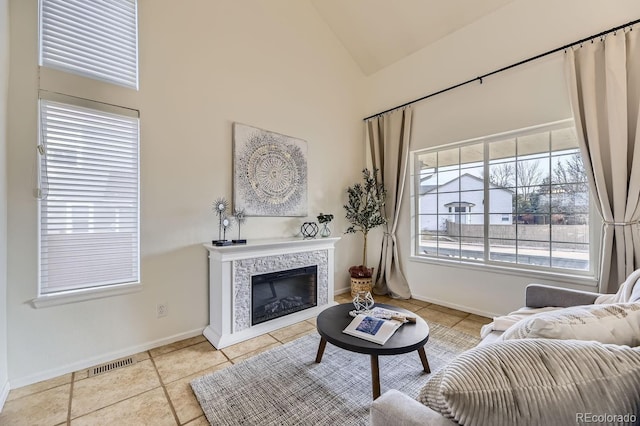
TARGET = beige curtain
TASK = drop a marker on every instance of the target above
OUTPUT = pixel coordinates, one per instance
(388, 137)
(604, 83)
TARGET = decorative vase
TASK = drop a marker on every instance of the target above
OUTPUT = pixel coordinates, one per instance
(363, 301)
(309, 229)
(325, 231)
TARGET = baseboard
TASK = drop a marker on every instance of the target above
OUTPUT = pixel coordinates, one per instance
(456, 306)
(341, 290)
(4, 393)
(90, 362)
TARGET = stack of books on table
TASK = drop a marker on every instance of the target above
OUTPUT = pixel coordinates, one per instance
(377, 325)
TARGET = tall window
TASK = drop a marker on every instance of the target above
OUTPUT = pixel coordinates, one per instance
(88, 152)
(89, 197)
(95, 39)
(520, 199)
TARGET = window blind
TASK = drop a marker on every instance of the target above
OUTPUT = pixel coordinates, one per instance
(95, 39)
(89, 204)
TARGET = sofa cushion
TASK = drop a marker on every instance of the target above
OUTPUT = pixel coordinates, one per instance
(617, 323)
(537, 381)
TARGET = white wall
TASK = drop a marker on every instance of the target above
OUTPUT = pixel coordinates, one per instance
(4, 80)
(203, 65)
(531, 94)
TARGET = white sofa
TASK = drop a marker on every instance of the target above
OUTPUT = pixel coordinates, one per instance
(394, 408)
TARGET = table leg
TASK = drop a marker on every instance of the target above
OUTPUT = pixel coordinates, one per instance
(323, 344)
(375, 376)
(423, 358)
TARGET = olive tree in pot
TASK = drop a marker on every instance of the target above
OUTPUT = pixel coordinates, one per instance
(365, 211)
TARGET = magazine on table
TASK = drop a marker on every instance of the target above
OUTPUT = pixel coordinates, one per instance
(368, 327)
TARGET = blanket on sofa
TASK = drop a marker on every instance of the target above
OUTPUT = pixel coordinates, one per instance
(502, 323)
(626, 291)
(624, 294)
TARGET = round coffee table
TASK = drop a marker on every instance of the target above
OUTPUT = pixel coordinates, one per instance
(409, 337)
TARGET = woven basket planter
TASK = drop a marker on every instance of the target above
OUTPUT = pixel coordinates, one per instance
(360, 284)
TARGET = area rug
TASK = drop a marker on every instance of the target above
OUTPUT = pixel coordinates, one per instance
(284, 386)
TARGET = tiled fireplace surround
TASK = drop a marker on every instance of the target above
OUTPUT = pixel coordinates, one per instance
(230, 272)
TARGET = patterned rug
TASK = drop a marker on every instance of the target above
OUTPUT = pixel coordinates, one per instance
(284, 386)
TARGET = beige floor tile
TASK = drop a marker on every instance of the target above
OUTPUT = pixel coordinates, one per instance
(247, 346)
(39, 387)
(183, 362)
(80, 375)
(182, 397)
(403, 304)
(284, 334)
(346, 298)
(383, 299)
(432, 315)
(256, 352)
(450, 311)
(177, 345)
(149, 408)
(49, 407)
(313, 322)
(105, 389)
(200, 421)
(297, 336)
(479, 318)
(419, 302)
(469, 327)
(139, 357)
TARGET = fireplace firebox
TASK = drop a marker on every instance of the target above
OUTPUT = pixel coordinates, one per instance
(281, 293)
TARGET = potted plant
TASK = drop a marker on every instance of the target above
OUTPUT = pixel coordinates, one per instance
(324, 220)
(365, 211)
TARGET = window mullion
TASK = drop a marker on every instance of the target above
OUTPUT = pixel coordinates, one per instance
(487, 201)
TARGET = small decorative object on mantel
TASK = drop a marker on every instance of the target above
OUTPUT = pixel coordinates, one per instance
(240, 218)
(309, 230)
(324, 220)
(220, 207)
(226, 224)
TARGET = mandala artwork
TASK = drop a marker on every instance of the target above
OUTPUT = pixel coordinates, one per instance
(270, 172)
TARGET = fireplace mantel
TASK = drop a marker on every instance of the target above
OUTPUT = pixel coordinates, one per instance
(230, 271)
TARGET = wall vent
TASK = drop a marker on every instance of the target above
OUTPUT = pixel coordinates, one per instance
(110, 366)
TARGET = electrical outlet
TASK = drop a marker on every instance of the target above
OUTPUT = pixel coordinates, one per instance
(162, 310)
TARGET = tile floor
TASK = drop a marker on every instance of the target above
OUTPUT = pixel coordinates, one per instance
(156, 390)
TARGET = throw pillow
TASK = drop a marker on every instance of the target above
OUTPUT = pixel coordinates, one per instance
(616, 323)
(537, 382)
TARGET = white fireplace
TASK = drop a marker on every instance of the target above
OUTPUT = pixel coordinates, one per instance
(231, 269)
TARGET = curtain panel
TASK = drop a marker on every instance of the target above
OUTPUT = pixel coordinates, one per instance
(603, 78)
(388, 136)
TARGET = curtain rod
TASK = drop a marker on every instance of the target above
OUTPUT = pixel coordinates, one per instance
(481, 77)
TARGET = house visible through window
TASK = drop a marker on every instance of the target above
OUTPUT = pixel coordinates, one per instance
(520, 198)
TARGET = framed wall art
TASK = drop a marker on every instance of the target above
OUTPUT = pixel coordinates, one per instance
(269, 172)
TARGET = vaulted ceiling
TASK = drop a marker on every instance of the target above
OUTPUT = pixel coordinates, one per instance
(378, 33)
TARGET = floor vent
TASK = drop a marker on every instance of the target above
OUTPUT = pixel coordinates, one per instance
(110, 366)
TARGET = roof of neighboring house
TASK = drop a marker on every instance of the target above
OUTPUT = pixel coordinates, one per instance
(460, 204)
(429, 188)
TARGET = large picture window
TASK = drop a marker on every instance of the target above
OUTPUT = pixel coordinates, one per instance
(518, 199)
(89, 202)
